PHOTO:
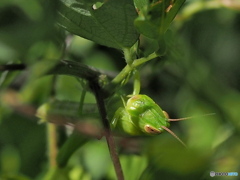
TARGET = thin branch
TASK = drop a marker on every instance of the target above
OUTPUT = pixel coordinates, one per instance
(12, 67)
(72, 68)
(110, 141)
(93, 76)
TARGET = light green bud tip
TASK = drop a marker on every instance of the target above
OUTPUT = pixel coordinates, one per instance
(42, 112)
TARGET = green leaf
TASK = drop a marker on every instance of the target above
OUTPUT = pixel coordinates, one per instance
(140, 3)
(111, 24)
(75, 141)
(153, 21)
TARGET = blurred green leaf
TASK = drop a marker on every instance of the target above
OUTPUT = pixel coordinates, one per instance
(33, 91)
(10, 160)
(110, 25)
(22, 24)
(140, 4)
(74, 142)
(133, 165)
(92, 160)
(166, 158)
(57, 173)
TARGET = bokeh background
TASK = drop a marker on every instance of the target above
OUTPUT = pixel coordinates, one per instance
(198, 75)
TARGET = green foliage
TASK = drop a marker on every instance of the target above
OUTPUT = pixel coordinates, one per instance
(188, 60)
(154, 20)
(24, 25)
(110, 25)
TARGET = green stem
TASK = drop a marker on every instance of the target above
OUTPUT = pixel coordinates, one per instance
(83, 94)
(127, 69)
(137, 83)
(128, 56)
(52, 145)
(52, 133)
